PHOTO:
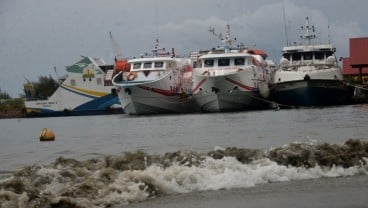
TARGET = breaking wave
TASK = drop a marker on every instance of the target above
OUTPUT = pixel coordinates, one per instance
(137, 176)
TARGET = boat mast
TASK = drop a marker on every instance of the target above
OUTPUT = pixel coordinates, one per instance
(227, 39)
(115, 45)
(286, 32)
(309, 31)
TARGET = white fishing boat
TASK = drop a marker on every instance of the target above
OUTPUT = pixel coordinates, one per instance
(156, 83)
(85, 90)
(229, 78)
(309, 75)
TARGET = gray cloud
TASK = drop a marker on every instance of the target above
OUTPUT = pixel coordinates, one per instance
(39, 34)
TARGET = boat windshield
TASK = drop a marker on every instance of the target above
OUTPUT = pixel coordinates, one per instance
(137, 65)
(159, 64)
(224, 62)
(239, 61)
(208, 62)
(147, 65)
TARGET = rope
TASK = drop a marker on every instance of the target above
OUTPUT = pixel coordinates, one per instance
(357, 86)
(277, 105)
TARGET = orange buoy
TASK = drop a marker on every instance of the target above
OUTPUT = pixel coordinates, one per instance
(47, 135)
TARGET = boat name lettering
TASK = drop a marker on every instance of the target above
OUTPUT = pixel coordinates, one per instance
(46, 103)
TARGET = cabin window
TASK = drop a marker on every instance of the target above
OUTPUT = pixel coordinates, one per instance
(307, 56)
(208, 63)
(224, 62)
(136, 65)
(147, 65)
(319, 56)
(296, 56)
(287, 56)
(329, 53)
(72, 82)
(159, 64)
(99, 81)
(239, 61)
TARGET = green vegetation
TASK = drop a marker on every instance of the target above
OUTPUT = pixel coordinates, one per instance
(14, 108)
(4, 95)
(43, 88)
(10, 108)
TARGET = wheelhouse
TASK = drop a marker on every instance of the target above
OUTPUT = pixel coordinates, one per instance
(223, 61)
(150, 64)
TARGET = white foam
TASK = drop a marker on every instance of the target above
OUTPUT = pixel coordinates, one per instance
(211, 174)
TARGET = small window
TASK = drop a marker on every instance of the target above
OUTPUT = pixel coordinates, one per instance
(72, 82)
(99, 81)
(296, 56)
(286, 56)
(319, 56)
(239, 61)
(159, 64)
(224, 62)
(308, 56)
(208, 63)
(136, 65)
(329, 53)
(147, 65)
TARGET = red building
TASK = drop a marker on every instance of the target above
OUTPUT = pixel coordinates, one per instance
(355, 67)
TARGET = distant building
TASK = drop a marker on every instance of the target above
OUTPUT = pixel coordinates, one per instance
(355, 67)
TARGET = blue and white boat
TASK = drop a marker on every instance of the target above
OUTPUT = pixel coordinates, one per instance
(85, 90)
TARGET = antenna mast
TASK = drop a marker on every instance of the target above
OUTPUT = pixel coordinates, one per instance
(227, 40)
(328, 30)
(309, 31)
(286, 32)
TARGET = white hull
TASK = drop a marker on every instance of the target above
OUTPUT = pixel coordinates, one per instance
(153, 97)
(232, 92)
(332, 73)
(162, 87)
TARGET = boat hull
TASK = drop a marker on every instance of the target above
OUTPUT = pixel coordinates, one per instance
(232, 92)
(92, 106)
(309, 93)
(154, 98)
(226, 102)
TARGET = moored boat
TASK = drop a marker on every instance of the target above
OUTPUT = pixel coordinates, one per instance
(85, 90)
(309, 75)
(230, 78)
(156, 83)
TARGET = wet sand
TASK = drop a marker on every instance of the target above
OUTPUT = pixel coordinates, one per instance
(326, 192)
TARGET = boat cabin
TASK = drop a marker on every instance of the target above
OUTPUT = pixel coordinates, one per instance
(308, 55)
(156, 64)
(209, 61)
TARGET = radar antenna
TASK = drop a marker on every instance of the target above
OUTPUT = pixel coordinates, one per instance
(227, 39)
(309, 31)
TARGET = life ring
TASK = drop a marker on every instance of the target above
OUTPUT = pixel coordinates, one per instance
(132, 76)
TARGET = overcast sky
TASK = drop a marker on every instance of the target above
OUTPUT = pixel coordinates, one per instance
(36, 35)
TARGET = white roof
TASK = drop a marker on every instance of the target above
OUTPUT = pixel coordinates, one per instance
(150, 59)
(224, 55)
(302, 48)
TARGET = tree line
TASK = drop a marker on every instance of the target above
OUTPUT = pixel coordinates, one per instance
(41, 89)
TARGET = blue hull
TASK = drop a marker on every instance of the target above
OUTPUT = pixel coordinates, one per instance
(98, 106)
(310, 93)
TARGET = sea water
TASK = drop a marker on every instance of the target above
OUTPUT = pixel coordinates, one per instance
(113, 160)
